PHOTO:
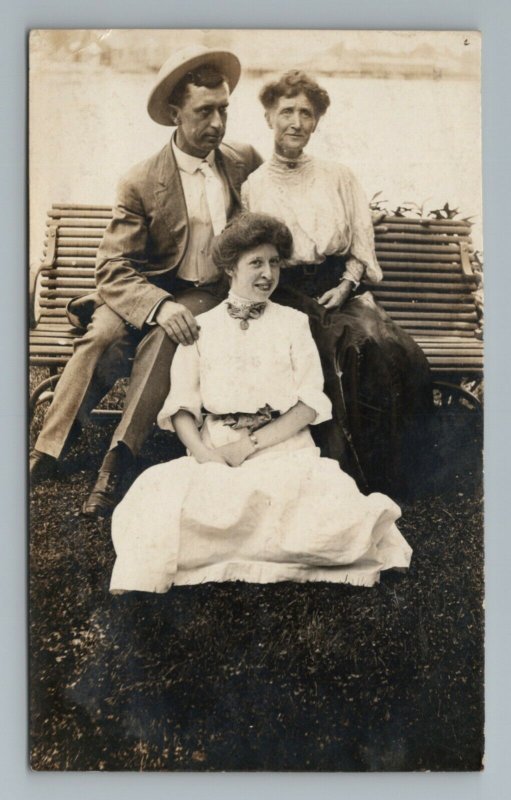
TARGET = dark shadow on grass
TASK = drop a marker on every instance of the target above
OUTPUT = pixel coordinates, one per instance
(240, 676)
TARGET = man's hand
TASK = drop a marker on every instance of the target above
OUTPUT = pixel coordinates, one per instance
(236, 453)
(336, 297)
(178, 322)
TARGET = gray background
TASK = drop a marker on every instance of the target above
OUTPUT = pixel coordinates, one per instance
(493, 18)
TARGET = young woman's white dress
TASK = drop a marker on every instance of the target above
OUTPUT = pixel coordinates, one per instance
(286, 513)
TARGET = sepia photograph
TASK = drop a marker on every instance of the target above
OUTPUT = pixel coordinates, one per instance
(255, 395)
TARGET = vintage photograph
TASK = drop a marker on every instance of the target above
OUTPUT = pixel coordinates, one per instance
(256, 400)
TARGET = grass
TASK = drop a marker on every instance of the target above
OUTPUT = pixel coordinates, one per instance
(235, 676)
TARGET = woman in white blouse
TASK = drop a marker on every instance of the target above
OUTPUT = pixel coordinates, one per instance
(385, 376)
(253, 500)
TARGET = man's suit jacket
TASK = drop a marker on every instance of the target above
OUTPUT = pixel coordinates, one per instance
(145, 241)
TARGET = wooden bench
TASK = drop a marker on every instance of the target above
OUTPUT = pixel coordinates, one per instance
(428, 288)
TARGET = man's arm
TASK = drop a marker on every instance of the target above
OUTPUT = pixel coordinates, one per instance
(120, 264)
(122, 259)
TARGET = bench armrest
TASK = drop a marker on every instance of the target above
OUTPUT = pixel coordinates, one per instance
(48, 263)
(32, 291)
(51, 248)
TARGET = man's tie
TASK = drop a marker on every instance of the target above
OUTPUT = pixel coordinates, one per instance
(214, 197)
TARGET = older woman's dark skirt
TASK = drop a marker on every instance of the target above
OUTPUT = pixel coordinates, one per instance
(383, 401)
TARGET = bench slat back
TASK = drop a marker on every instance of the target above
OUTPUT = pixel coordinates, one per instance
(428, 267)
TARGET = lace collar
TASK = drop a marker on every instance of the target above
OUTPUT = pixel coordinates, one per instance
(283, 165)
(244, 310)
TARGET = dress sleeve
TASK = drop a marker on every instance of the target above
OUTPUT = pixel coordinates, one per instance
(362, 231)
(184, 387)
(307, 371)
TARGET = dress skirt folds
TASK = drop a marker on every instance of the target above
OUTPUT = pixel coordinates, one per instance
(286, 513)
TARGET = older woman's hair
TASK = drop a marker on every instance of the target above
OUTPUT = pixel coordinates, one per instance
(246, 232)
(292, 83)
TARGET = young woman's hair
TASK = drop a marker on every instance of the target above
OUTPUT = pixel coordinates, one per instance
(206, 75)
(292, 83)
(246, 232)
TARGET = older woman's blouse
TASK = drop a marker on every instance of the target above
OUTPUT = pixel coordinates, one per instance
(274, 361)
(324, 207)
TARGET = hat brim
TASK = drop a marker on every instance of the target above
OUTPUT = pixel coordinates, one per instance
(158, 103)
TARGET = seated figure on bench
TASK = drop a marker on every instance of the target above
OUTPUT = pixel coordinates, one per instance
(382, 405)
(154, 270)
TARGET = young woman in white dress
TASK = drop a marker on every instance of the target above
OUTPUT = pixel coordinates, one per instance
(253, 500)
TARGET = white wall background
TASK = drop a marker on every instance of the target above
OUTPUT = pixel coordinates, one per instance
(413, 139)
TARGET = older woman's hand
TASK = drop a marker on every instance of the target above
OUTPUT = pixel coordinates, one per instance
(336, 297)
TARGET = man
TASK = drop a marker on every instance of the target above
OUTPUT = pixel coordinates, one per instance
(154, 270)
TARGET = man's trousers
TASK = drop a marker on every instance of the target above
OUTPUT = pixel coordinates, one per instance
(103, 355)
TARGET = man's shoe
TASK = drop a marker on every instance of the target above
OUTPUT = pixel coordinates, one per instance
(105, 494)
(42, 466)
(107, 490)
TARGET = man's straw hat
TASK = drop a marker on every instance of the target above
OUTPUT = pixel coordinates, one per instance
(176, 67)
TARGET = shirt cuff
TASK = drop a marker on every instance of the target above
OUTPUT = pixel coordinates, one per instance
(150, 319)
(354, 271)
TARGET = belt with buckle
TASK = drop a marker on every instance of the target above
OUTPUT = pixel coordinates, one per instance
(251, 420)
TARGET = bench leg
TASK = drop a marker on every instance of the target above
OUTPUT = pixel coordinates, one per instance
(36, 396)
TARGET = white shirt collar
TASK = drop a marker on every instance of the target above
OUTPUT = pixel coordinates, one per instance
(188, 163)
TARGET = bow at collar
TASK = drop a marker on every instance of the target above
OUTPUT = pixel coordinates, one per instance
(244, 310)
